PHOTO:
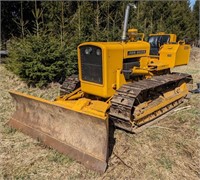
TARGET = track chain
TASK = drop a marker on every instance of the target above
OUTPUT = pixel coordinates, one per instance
(70, 84)
(128, 96)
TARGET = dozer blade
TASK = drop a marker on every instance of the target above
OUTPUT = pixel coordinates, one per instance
(81, 136)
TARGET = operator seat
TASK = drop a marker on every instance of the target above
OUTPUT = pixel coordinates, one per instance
(156, 41)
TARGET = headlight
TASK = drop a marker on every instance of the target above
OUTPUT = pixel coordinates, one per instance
(98, 52)
(88, 50)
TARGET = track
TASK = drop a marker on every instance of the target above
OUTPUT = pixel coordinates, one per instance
(69, 85)
(138, 103)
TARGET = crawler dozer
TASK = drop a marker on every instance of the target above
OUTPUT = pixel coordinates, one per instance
(128, 82)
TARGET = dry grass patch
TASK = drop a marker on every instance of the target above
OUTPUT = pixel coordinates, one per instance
(169, 149)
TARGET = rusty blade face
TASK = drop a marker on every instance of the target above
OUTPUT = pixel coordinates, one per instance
(82, 137)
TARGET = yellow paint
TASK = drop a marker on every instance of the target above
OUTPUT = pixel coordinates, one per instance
(134, 35)
(140, 71)
(174, 54)
(120, 79)
(76, 96)
(169, 97)
(170, 55)
(113, 56)
(86, 106)
(112, 59)
(144, 61)
(83, 105)
(136, 46)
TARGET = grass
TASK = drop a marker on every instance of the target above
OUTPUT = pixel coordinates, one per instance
(165, 162)
(169, 149)
(59, 158)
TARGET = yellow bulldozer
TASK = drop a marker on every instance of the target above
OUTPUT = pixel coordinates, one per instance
(128, 82)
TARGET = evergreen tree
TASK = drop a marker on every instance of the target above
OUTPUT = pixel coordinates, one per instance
(179, 21)
(54, 29)
(196, 16)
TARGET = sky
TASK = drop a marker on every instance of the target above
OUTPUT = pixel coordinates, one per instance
(192, 3)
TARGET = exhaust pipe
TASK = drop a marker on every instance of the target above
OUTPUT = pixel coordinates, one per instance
(126, 20)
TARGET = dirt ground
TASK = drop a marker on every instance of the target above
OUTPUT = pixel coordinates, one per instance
(170, 149)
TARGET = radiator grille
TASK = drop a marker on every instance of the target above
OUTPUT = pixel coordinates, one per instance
(91, 64)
